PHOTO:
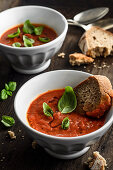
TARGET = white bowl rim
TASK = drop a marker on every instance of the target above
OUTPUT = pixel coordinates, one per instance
(44, 45)
(56, 137)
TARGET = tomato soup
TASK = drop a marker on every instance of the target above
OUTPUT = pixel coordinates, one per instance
(79, 124)
(46, 33)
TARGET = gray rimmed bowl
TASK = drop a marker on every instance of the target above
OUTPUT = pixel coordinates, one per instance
(30, 60)
(60, 147)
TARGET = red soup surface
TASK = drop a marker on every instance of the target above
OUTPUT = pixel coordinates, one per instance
(79, 124)
(47, 32)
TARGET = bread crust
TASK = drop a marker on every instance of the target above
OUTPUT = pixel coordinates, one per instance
(100, 98)
(79, 58)
(105, 84)
(97, 162)
(102, 49)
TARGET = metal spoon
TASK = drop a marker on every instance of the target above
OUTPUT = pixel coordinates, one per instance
(105, 24)
(89, 16)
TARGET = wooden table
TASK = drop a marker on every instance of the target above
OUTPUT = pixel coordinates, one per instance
(18, 154)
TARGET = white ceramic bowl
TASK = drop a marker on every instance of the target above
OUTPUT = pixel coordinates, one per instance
(60, 147)
(32, 60)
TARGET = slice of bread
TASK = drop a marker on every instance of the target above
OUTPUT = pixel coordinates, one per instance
(96, 42)
(79, 58)
(94, 96)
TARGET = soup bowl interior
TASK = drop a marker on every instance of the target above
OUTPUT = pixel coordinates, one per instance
(36, 14)
(30, 60)
(61, 147)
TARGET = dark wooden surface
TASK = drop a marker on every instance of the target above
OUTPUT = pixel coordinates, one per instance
(18, 154)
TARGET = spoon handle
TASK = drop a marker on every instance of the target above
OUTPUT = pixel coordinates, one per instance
(75, 23)
(105, 23)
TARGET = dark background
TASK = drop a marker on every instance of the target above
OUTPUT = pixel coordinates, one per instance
(18, 154)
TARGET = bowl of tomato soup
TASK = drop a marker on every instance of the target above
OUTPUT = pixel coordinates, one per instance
(30, 36)
(65, 135)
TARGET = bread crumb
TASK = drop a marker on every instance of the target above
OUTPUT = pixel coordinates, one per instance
(97, 162)
(12, 134)
(89, 158)
(79, 58)
(95, 66)
(22, 137)
(2, 159)
(104, 66)
(34, 144)
(62, 55)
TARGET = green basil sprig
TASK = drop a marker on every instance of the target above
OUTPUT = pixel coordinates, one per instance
(8, 121)
(9, 93)
(47, 110)
(12, 86)
(38, 30)
(28, 42)
(44, 39)
(67, 102)
(9, 88)
(15, 34)
(3, 94)
(28, 28)
(65, 123)
(16, 44)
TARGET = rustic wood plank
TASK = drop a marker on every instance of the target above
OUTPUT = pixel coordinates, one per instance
(4, 4)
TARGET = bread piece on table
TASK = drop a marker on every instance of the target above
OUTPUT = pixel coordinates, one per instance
(11, 134)
(96, 42)
(94, 96)
(79, 58)
(97, 163)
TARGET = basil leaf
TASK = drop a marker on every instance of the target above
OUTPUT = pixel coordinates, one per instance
(28, 28)
(12, 86)
(3, 94)
(28, 42)
(65, 123)
(15, 34)
(44, 39)
(9, 93)
(16, 44)
(8, 121)
(9, 88)
(6, 86)
(67, 102)
(38, 30)
(47, 110)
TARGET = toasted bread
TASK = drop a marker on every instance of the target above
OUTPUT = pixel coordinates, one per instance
(94, 96)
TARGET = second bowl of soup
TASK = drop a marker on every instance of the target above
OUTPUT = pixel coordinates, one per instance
(63, 135)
